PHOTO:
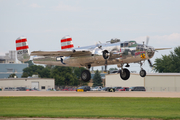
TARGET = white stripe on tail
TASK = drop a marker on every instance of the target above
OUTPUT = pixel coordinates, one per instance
(22, 49)
(66, 43)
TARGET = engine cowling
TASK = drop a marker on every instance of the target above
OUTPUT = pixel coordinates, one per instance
(106, 54)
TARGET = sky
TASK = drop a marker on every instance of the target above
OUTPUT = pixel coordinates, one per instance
(45, 22)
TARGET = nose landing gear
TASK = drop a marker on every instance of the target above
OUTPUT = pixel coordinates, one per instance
(142, 73)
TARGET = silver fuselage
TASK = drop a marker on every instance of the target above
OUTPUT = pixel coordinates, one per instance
(126, 54)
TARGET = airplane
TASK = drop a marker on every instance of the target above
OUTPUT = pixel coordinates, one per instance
(102, 54)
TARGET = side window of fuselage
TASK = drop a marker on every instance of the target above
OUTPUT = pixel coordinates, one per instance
(139, 48)
(121, 45)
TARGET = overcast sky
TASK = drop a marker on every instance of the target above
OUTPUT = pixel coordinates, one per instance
(45, 22)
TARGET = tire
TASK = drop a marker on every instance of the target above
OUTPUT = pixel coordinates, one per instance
(142, 73)
(125, 75)
(85, 75)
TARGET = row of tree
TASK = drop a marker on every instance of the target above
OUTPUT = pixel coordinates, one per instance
(64, 76)
(168, 63)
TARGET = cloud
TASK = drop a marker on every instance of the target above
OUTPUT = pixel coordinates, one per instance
(172, 40)
(63, 7)
(34, 5)
(2, 53)
(172, 37)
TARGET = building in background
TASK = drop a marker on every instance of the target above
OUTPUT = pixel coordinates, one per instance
(38, 83)
(8, 65)
(9, 57)
(152, 81)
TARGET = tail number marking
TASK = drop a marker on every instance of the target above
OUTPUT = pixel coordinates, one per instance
(22, 52)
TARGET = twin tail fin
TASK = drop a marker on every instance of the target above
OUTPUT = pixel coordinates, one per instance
(22, 49)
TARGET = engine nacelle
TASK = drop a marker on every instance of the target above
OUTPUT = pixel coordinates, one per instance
(111, 55)
(106, 54)
(60, 58)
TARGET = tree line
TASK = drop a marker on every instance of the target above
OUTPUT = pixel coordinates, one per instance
(64, 76)
(168, 63)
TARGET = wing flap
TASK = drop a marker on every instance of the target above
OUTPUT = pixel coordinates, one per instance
(60, 53)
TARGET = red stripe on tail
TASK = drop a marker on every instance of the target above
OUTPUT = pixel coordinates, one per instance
(22, 40)
(22, 48)
(67, 46)
(66, 40)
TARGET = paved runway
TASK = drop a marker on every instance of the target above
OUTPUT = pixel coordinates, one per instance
(90, 94)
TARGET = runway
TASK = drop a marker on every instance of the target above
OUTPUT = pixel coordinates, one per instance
(90, 94)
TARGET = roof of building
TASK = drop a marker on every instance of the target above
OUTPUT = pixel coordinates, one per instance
(154, 74)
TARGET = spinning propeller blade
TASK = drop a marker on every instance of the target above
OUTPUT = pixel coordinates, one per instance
(147, 40)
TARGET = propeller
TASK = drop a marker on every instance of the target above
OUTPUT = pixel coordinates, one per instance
(147, 40)
(149, 61)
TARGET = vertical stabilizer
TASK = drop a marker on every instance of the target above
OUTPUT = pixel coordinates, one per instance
(22, 49)
(66, 43)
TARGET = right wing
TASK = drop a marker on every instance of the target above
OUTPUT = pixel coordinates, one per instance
(162, 48)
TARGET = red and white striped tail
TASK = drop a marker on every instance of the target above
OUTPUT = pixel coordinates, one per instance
(66, 43)
(22, 49)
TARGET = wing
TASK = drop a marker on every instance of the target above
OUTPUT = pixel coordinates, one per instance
(162, 48)
(72, 53)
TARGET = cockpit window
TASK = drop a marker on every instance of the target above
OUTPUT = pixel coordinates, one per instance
(125, 44)
(121, 44)
(129, 44)
(140, 48)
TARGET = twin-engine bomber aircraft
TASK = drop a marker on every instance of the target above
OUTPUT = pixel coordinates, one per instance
(110, 53)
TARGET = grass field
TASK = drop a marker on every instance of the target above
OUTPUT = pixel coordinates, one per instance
(93, 107)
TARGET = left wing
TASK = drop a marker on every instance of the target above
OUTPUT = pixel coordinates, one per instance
(72, 53)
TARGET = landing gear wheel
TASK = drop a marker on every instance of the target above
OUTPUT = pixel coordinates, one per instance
(85, 75)
(125, 74)
(142, 73)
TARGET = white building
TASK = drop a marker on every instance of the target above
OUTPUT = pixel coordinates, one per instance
(38, 83)
(152, 82)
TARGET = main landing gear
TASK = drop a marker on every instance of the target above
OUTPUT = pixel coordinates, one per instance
(124, 74)
(86, 75)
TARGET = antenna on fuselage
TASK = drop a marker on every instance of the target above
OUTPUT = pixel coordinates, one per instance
(114, 40)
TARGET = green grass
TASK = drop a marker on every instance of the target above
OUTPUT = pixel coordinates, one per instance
(94, 107)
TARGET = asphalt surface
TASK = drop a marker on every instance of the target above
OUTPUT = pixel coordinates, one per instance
(91, 94)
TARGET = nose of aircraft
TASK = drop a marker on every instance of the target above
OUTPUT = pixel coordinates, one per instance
(150, 51)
